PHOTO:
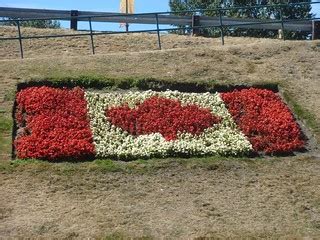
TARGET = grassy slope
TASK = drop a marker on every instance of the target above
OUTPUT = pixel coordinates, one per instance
(285, 183)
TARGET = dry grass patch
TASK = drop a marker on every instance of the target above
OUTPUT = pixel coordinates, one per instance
(188, 198)
(76, 46)
(267, 198)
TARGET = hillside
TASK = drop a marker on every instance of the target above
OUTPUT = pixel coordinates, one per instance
(75, 46)
(173, 198)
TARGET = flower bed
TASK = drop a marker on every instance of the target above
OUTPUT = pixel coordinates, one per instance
(52, 124)
(72, 123)
(265, 120)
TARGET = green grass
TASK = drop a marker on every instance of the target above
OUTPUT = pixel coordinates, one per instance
(5, 134)
(304, 115)
(107, 165)
(9, 95)
(150, 166)
(121, 236)
(5, 123)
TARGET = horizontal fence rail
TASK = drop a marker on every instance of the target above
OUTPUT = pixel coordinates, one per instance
(191, 20)
(164, 18)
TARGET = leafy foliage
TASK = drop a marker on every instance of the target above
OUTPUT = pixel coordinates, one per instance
(288, 12)
(34, 23)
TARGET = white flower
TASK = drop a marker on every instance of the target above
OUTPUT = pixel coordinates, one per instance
(222, 139)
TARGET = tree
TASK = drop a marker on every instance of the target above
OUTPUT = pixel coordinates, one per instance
(34, 23)
(289, 12)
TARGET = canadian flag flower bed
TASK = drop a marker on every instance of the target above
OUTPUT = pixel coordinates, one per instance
(73, 123)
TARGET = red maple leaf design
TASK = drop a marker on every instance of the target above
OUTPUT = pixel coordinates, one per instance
(162, 115)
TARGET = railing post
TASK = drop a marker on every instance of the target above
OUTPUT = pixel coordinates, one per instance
(221, 27)
(91, 36)
(20, 39)
(282, 24)
(158, 31)
(127, 11)
(195, 25)
(74, 20)
(315, 29)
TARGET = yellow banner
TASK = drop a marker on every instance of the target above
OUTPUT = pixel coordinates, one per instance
(127, 9)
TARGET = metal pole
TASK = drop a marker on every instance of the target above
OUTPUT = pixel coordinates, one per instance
(91, 36)
(127, 10)
(74, 20)
(195, 25)
(221, 27)
(158, 31)
(315, 29)
(282, 24)
(20, 39)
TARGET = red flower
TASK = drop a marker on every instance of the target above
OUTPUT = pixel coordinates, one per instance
(165, 116)
(53, 124)
(265, 120)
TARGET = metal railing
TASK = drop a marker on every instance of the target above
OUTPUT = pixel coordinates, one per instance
(220, 22)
